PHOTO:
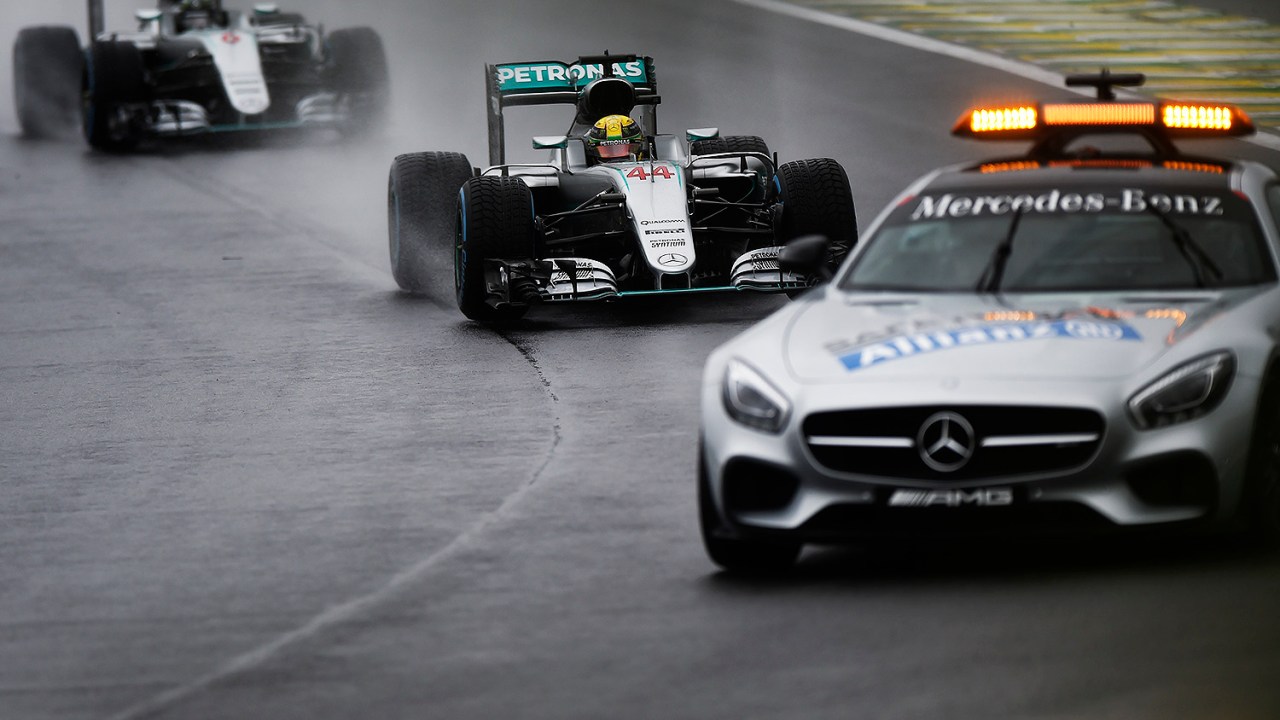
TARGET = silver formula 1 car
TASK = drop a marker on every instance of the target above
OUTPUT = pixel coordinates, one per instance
(194, 67)
(1079, 338)
(682, 214)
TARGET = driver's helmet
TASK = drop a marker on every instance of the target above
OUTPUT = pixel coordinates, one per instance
(196, 14)
(615, 137)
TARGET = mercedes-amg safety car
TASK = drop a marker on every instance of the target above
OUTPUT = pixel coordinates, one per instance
(675, 214)
(1083, 337)
(194, 67)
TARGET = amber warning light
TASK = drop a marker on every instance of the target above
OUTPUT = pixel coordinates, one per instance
(1175, 119)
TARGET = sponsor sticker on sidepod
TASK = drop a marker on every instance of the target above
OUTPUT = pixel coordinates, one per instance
(905, 346)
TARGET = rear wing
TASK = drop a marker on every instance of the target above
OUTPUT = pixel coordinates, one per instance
(551, 82)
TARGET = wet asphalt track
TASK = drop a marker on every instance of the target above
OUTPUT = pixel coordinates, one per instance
(241, 476)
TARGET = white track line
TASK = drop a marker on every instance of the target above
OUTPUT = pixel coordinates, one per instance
(351, 609)
(938, 47)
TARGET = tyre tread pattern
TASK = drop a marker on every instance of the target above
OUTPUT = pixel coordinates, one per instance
(422, 201)
(47, 68)
(817, 200)
(499, 224)
(729, 143)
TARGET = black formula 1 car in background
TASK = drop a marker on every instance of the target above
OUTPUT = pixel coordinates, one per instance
(670, 214)
(194, 67)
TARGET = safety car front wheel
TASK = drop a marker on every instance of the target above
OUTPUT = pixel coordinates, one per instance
(495, 221)
(47, 68)
(816, 199)
(422, 199)
(114, 84)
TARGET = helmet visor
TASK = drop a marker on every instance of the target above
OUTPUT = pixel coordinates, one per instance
(612, 151)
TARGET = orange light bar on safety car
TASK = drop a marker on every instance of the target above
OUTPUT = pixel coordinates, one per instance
(1174, 119)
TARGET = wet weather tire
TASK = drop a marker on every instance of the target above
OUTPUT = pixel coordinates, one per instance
(816, 200)
(114, 80)
(495, 221)
(730, 143)
(422, 204)
(358, 73)
(47, 68)
(738, 555)
(1260, 503)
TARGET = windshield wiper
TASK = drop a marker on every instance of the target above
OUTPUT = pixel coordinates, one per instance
(1195, 255)
(993, 273)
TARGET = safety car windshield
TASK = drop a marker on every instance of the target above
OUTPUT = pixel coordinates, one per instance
(1059, 240)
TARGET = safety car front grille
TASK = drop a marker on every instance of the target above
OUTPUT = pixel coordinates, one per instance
(963, 442)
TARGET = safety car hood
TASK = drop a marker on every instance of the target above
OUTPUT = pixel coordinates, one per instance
(235, 54)
(878, 337)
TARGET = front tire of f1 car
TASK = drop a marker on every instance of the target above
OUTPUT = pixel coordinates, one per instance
(114, 82)
(47, 68)
(422, 200)
(737, 555)
(816, 200)
(1261, 500)
(358, 73)
(729, 143)
(495, 221)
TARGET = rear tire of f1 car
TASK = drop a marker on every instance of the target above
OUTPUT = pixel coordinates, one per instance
(422, 202)
(358, 72)
(729, 143)
(1260, 504)
(114, 80)
(48, 65)
(816, 200)
(495, 221)
(738, 555)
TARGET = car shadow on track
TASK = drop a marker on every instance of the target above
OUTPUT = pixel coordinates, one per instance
(953, 562)
(651, 311)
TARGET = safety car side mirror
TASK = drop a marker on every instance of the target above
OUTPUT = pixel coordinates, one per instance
(806, 255)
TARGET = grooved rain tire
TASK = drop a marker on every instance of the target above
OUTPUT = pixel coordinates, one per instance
(358, 70)
(422, 204)
(817, 200)
(729, 143)
(746, 557)
(495, 220)
(47, 68)
(114, 77)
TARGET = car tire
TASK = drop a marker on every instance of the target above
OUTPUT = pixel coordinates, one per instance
(47, 68)
(422, 201)
(816, 199)
(114, 79)
(358, 71)
(737, 555)
(1260, 502)
(495, 220)
(729, 143)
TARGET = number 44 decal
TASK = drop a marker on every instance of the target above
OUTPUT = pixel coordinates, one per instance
(659, 171)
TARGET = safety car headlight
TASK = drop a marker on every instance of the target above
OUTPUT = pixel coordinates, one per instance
(1185, 393)
(752, 400)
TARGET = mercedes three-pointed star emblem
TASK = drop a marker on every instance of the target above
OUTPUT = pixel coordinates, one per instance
(946, 442)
